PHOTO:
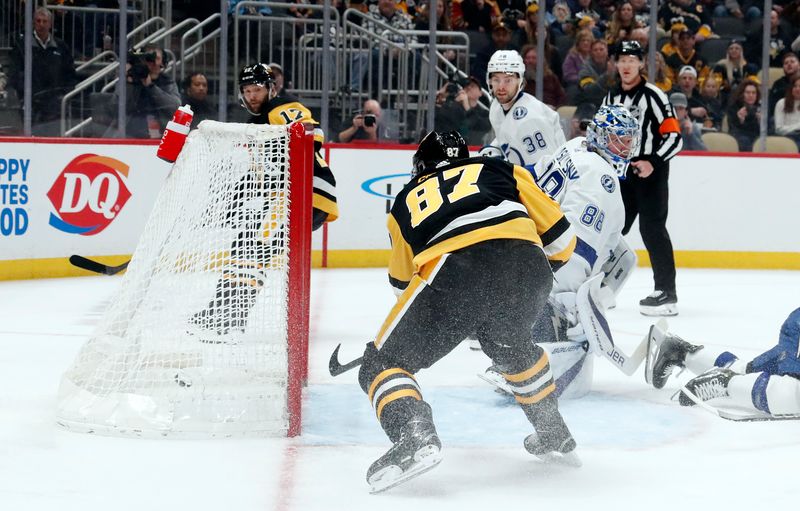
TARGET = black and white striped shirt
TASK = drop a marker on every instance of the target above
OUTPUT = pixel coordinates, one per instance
(661, 133)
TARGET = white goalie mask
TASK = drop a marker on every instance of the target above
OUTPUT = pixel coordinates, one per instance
(506, 61)
(614, 134)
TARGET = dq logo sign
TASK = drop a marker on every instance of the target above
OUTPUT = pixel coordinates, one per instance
(88, 194)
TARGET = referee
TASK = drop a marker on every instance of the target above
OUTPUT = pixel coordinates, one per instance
(645, 191)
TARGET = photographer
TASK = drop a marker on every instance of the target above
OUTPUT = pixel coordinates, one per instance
(457, 109)
(151, 96)
(366, 126)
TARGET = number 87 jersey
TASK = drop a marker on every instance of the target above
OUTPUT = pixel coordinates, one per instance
(466, 202)
(526, 132)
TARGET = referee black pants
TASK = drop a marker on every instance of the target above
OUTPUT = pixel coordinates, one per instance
(648, 198)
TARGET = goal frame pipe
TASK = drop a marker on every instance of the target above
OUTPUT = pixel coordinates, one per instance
(301, 172)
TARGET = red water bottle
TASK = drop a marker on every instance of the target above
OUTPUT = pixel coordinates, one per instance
(175, 134)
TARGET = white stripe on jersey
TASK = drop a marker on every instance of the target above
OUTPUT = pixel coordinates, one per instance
(501, 209)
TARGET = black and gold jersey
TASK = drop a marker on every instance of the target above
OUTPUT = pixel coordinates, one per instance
(467, 202)
(286, 110)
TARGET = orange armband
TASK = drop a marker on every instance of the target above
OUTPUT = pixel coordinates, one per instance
(670, 125)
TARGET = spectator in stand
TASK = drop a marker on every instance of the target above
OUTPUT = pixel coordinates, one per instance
(691, 131)
(787, 112)
(671, 46)
(791, 67)
(596, 75)
(562, 23)
(710, 93)
(744, 114)
(463, 109)
(577, 56)
(687, 84)
(530, 37)
(742, 9)
(686, 55)
(52, 74)
(735, 65)
(501, 40)
(780, 42)
(662, 79)
(641, 12)
(366, 126)
(151, 96)
(587, 17)
(195, 94)
(553, 94)
(642, 36)
(622, 24)
(695, 17)
(280, 79)
(477, 15)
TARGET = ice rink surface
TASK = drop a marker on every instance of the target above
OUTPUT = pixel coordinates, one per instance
(640, 450)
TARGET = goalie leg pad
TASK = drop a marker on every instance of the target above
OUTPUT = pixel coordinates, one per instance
(616, 271)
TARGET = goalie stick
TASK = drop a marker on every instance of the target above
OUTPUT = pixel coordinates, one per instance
(96, 267)
(336, 368)
(734, 416)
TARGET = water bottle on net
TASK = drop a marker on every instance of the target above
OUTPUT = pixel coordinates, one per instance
(175, 134)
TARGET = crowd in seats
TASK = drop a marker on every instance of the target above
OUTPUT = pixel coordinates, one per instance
(709, 52)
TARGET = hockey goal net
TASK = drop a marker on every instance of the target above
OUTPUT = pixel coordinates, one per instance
(207, 334)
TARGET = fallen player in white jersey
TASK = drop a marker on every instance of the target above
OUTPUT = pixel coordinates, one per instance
(582, 176)
(525, 129)
(767, 387)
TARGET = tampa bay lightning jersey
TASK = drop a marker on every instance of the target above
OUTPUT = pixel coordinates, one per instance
(587, 189)
(526, 132)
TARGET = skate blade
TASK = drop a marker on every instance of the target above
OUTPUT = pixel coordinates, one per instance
(569, 459)
(670, 309)
(387, 478)
(500, 386)
(210, 337)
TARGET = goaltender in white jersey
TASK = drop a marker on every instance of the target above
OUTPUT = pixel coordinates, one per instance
(525, 129)
(582, 175)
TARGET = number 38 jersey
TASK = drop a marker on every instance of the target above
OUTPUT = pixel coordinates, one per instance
(587, 189)
(465, 203)
(528, 131)
(286, 110)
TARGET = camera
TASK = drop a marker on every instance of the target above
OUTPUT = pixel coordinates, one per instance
(454, 84)
(370, 120)
(138, 61)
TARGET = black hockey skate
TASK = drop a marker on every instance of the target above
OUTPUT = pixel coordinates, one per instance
(555, 446)
(709, 385)
(225, 317)
(417, 451)
(665, 352)
(659, 303)
(552, 442)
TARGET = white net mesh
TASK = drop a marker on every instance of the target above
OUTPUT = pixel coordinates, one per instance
(195, 341)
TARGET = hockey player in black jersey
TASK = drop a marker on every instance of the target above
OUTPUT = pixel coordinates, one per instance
(239, 284)
(473, 244)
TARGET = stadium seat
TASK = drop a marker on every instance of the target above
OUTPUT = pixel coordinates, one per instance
(720, 142)
(566, 112)
(713, 50)
(730, 27)
(776, 144)
(774, 74)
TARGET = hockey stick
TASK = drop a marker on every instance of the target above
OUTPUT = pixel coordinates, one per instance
(96, 267)
(598, 333)
(335, 368)
(734, 416)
